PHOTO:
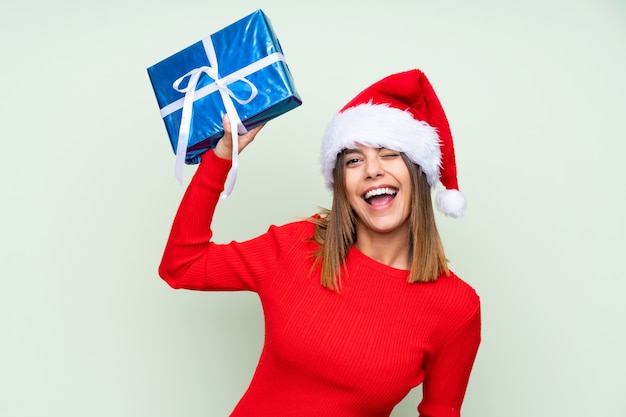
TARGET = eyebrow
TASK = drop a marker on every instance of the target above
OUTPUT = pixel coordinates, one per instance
(359, 151)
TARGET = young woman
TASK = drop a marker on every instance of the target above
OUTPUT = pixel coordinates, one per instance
(359, 304)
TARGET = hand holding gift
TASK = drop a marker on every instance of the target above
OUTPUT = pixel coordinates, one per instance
(224, 147)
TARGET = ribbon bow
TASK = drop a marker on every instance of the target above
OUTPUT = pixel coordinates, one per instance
(227, 97)
(220, 84)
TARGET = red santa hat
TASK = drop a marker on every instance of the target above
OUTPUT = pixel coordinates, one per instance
(399, 112)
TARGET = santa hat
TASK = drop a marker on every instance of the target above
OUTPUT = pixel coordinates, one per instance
(399, 112)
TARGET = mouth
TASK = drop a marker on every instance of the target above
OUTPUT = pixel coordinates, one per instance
(380, 196)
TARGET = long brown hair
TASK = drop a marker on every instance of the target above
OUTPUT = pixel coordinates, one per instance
(335, 231)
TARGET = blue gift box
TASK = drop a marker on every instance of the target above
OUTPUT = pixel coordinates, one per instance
(239, 70)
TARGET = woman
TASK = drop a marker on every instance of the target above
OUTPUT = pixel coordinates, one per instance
(359, 304)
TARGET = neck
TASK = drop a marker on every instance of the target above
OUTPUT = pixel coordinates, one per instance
(391, 249)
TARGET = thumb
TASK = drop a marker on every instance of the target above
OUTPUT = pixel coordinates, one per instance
(224, 146)
(228, 130)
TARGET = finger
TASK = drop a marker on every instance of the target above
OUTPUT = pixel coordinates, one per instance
(224, 145)
(226, 124)
(256, 129)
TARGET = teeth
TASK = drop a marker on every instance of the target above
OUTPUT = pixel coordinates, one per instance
(379, 191)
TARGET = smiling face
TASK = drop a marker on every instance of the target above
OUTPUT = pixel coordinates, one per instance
(378, 188)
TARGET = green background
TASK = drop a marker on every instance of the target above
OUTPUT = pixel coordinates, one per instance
(536, 97)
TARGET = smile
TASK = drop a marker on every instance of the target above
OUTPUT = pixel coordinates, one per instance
(380, 196)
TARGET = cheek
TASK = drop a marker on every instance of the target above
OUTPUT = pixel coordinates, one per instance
(350, 181)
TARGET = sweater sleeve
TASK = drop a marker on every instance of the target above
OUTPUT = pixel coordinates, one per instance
(448, 370)
(191, 260)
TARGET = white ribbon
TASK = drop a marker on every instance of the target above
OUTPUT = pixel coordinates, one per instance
(221, 85)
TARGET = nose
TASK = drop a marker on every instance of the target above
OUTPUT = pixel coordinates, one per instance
(373, 168)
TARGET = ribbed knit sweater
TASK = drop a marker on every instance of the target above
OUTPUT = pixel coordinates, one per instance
(352, 353)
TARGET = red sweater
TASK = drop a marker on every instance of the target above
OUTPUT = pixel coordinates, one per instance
(354, 353)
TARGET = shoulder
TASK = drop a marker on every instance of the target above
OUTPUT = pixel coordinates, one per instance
(457, 286)
(456, 297)
(303, 227)
(457, 306)
(295, 233)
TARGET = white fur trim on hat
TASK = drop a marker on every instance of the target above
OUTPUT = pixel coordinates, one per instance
(451, 203)
(379, 125)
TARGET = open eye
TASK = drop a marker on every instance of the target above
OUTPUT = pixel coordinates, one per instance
(351, 159)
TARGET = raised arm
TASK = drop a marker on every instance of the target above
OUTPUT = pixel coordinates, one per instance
(190, 257)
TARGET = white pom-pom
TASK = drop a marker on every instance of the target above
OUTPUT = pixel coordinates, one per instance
(451, 203)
